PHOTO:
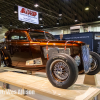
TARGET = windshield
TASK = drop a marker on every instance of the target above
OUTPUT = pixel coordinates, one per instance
(41, 35)
(50, 36)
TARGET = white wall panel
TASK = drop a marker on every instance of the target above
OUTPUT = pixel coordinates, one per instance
(3, 30)
(59, 31)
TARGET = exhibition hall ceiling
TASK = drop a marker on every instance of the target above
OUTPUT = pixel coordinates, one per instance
(73, 12)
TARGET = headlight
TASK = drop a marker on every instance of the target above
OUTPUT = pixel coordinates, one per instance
(77, 60)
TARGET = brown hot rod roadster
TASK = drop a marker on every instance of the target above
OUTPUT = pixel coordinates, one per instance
(39, 50)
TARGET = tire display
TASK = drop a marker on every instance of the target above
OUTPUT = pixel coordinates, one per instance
(61, 71)
(95, 65)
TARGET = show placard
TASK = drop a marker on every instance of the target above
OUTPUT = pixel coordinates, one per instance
(97, 36)
(27, 15)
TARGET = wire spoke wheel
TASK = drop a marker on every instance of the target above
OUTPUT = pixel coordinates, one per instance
(94, 64)
(60, 70)
(5, 58)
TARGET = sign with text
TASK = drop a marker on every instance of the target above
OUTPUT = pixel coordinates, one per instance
(27, 15)
(97, 36)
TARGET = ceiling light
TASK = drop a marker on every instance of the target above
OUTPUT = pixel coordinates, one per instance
(24, 22)
(57, 22)
(60, 12)
(87, 8)
(87, 5)
(10, 23)
(36, 3)
(76, 20)
(15, 9)
(0, 15)
(40, 16)
(98, 14)
(41, 25)
(0, 26)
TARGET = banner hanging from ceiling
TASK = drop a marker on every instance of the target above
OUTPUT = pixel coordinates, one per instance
(27, 15)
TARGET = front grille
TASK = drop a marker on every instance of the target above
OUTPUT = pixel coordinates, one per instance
(85, 57)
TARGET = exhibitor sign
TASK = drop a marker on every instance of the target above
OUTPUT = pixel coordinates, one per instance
(27, 15)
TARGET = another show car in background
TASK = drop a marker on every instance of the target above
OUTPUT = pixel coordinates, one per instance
(37, 50)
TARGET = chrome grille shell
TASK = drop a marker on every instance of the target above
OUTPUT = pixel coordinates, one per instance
(86, 58)
(54, 51)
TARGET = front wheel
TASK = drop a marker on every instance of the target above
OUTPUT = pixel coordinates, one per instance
(62, 71)
(95, 65)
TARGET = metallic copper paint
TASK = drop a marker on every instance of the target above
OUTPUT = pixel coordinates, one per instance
(36, 46)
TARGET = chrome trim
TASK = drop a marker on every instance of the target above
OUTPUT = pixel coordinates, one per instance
(52, 51)
(77, 60)
(59, 70)
(86, 58)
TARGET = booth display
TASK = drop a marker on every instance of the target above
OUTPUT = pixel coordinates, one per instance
(36, 50)
(90, 38)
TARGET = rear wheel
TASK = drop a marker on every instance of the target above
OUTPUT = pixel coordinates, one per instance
(62, 71)
(0, 59)
(7, 62)
(95, 65)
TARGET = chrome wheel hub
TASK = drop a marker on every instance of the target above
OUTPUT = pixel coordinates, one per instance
(60, 69)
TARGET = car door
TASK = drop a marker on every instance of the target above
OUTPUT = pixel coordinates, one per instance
(18, 44)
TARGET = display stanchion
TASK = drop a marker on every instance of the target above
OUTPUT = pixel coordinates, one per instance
(90, 80)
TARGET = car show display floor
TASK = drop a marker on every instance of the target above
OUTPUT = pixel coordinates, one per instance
(43, 89)
(9, 97)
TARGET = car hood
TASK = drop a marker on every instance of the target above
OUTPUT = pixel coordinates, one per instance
(61, 43)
